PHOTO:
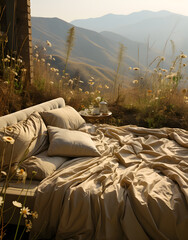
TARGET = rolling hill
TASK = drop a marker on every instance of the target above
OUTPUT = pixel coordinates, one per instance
(92, 52)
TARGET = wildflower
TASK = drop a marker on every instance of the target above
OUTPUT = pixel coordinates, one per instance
(170, 76)
(71, 81)
(48, 64)
(100, 86)
(80, 90)
(19, 60)
(184, 65)
(183, 56)
(171, 68)
(35, 47)
(8, 139)
(81, 81)
(92, 78)
(92, 93)
(50, 57)
(25, 211)
(53, 59)
(1, 201)
(3, 173)
(130, 68)
(162, 58)
(34, 215)
(10, 129)
(5, 60)
(42, 60)
(136, 68)
(91, 83)
(149, 92)
(86, 92)
(14, 72)
(135, 81)
(6, 82)
(21, 174)
(106, 86)
(17, 204)
(57, 74)
(34, 172)
(186, 99)
(98, 99)
(71, 92)
(44, 49)
(48, 43)
(184, 91)
(164, 70)
(28, 225)
(13, 59)
(51, 82)
(36, 55)
(98, 91)
(23, 70)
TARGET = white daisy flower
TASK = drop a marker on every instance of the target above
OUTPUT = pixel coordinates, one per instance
(25, 211)
(8, 139)
(17, 204)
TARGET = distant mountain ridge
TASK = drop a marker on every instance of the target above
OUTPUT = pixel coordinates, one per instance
(111, 21)
(144, 26)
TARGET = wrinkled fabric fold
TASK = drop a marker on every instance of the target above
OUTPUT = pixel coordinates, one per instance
(137, 189)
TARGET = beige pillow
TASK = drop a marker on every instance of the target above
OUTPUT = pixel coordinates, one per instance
(42, 164)
(70, 143)
(65, 117)
(30, 139)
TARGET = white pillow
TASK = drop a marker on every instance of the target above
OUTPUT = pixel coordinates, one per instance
(30, 139)
(65, 117)
(70, 143)
(42, 164)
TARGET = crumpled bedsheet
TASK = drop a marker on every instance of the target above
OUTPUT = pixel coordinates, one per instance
(137, 189)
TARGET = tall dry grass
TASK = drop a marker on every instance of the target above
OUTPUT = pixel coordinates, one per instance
(158, 95)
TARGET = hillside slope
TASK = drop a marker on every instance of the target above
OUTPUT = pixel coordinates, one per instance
(97, 50)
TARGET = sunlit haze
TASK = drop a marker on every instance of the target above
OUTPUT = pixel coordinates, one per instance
(80, 9)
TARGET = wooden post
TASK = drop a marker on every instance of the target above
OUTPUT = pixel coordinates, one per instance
(24, 35)
(16, 22)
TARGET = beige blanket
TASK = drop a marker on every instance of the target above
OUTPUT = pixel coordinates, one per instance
(137, 189)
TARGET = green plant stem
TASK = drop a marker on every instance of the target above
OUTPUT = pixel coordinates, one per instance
(18, 225)
(22, 233)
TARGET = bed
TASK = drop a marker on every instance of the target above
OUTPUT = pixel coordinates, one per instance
(136, 187)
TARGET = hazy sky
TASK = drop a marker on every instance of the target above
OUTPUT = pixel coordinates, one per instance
(69, 10)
